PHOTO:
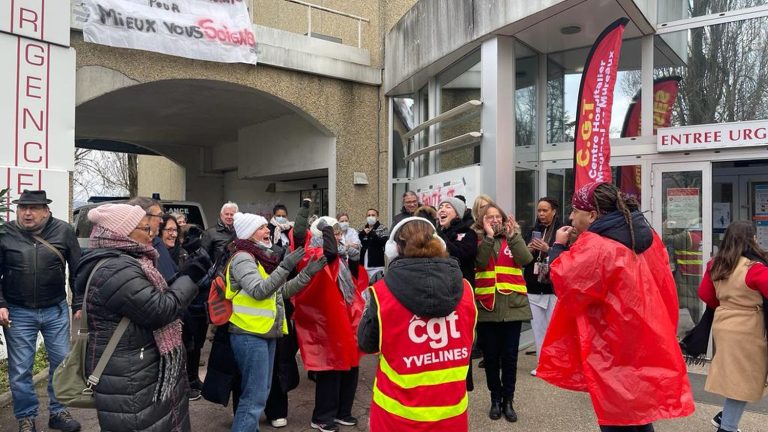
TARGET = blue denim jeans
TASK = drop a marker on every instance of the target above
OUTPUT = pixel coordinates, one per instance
(53, 323)
(732, 412)
(254, 356)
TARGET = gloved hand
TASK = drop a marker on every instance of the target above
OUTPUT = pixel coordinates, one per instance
(321, 224)
(290, 260)
(314, 265)
(196, 267)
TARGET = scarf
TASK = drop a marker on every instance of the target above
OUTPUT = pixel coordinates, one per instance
(264, 256)
(168, 338)
(279, 230)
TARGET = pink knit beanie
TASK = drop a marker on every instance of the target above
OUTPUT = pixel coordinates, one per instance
(118, 218)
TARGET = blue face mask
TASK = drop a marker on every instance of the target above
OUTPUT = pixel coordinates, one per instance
(281, 220)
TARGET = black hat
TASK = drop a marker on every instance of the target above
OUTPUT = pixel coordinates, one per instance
(29, 197)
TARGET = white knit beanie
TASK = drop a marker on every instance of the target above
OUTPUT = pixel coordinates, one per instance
(390, 248)
(316, 231)
(118, 218)
(247, 223)
(457, 205)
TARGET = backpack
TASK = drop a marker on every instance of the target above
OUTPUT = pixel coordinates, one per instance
(219, 307)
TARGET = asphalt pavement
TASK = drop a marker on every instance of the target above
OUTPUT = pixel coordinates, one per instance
(540, 407)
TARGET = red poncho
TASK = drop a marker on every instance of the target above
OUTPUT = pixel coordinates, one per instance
(326, 326)
(613, 332)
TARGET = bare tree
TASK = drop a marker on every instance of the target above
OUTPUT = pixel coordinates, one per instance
(105, 173)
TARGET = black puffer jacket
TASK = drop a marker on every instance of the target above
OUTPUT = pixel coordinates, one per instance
(373, 244)
(461, 242)
(215, 239)
(124, 394)
(32, 275)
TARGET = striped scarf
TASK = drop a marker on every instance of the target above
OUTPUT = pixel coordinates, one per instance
(168, 338)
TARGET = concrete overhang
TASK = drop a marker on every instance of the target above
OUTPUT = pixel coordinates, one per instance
(436, 33)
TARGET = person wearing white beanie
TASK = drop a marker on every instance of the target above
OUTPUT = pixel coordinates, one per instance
(258, 285)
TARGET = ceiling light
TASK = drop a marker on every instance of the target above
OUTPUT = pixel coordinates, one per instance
(570, 30)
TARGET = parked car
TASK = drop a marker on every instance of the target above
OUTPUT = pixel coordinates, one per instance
(193, 211)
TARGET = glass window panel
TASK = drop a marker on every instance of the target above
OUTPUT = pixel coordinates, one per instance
(403, 120)
(526, 72)
(525, 198)
(681, 210)
(723, 71)
(423, 136)
(673, 10)
(460, 84)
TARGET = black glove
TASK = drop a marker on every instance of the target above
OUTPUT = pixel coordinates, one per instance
(314, 265)
(290, 260)
(196, 267)
(192, 239)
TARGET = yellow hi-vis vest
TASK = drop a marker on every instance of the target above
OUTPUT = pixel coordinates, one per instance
(251, 315)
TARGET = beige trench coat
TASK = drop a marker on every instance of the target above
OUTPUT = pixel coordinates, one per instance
(740, 365)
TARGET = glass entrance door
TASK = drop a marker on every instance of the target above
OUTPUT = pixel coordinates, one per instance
(682, 215)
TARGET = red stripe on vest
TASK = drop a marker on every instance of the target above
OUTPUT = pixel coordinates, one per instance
(488, 300)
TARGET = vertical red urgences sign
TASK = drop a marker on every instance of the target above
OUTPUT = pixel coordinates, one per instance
(592, 149)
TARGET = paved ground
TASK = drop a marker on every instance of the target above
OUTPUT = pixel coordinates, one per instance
(541, 407)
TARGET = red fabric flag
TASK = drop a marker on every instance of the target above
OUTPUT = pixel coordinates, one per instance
(592, 148)
(664, 97)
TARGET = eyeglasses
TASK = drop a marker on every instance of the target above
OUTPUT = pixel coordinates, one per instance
(160, 215)
(147, 229)
(171, 230)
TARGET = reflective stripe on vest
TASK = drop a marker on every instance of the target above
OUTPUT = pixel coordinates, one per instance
(249, 314)
(502, 275)
(423, 364)
(690, 262)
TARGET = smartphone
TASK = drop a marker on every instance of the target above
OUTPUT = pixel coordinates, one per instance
(535, 235)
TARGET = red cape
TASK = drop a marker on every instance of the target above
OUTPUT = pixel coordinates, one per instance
(613, 332)
(326, 326)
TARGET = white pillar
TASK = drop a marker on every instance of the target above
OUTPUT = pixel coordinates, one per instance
(497, 148)
(37, 119)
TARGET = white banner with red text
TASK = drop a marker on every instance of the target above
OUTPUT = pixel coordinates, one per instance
(213, 30)
(712, 136)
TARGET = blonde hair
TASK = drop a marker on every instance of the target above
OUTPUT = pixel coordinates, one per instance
(476, 211)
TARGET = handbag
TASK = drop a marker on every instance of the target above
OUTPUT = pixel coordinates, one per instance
(70, 384)
(694, 344)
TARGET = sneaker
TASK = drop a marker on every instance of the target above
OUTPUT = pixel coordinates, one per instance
(346, 421)
(280, 422)
(195, 394)
(27, 424)
(533, 372)
(717, 419)
(329, 427)
(63, 421)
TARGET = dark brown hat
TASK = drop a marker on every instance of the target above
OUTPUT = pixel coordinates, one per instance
(29, 197)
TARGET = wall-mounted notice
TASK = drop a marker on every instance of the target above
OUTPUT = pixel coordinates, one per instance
(760, 213)
(683, 207)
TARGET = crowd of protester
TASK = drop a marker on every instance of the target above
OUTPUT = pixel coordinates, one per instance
(421, 295)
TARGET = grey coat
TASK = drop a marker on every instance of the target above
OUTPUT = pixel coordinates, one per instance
(245, 276)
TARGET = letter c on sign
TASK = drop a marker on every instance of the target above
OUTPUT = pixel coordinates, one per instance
(412, 331)
(582, 158)
(33, 144)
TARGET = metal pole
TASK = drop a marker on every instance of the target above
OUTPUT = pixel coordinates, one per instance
(309, 21)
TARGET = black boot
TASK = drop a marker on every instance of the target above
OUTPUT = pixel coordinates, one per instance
(495, 412)
(509, 412)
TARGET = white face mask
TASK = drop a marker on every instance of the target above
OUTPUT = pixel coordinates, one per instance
(344, 225)
(371, 220)
(281, 220)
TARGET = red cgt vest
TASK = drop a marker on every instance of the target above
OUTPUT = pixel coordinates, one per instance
(690, 261)
(421, 379)
(503, 274)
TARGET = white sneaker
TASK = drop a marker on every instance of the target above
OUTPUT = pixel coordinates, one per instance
(533, 372)
(278, 423)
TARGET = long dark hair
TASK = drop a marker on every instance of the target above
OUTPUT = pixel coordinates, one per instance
(739, 240)
(608, 198)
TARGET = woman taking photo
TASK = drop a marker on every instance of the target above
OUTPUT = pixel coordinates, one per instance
(143, 386)
(503, 305)
(613, 333)
(419, 269)
(540, 294)
(735, 284)
(257, 284)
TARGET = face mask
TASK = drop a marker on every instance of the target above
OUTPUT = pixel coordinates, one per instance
(371, 220)
(281, 220)
(344, 225)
